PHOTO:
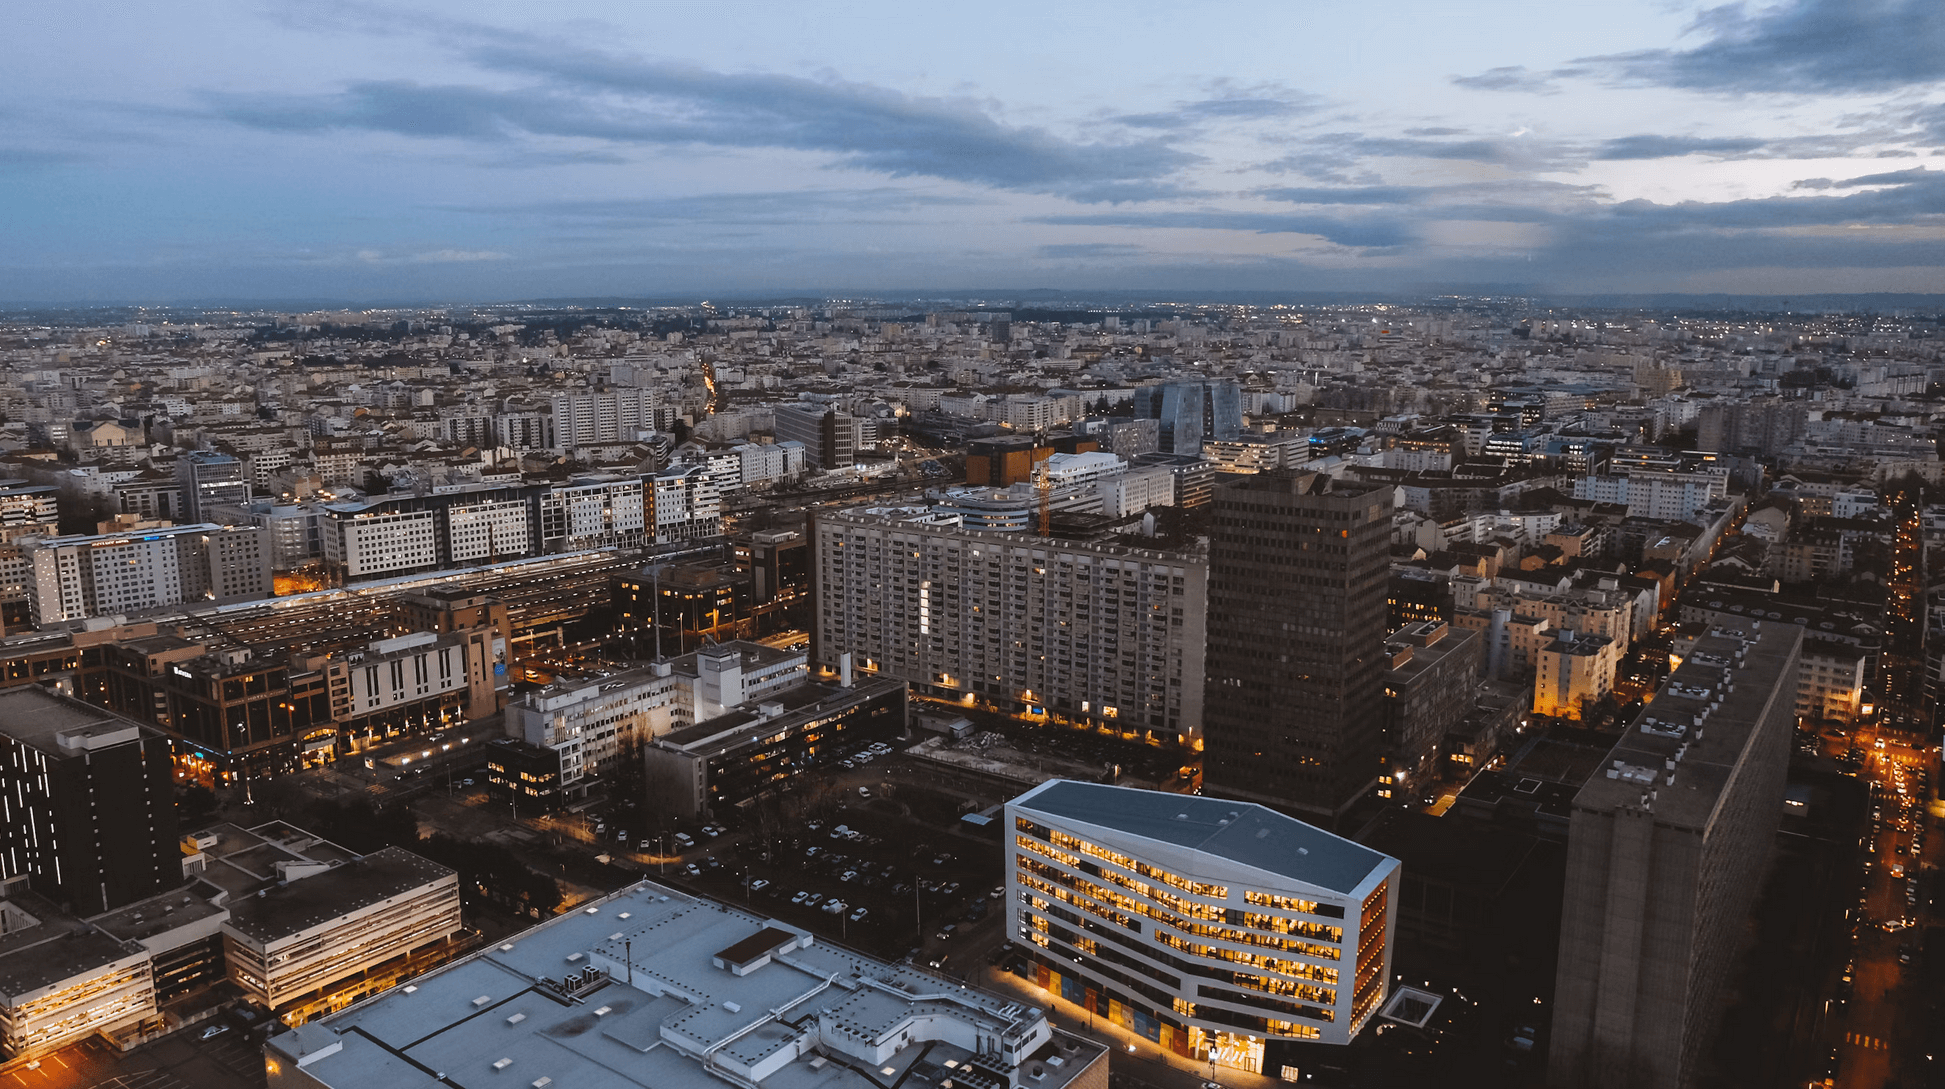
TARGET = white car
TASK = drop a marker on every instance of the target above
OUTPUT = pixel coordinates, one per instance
(834, 907)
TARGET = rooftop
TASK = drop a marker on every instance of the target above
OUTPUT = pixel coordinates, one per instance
(1241, 832)
(35, 716)
(1678, 755)
(41, 946)
(651, 987)
(280, 910)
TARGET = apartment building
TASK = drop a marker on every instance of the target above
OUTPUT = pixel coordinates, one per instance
(1666, 849)
(1223, 931)
(1084, 630)
(590, 512)
(72, 578)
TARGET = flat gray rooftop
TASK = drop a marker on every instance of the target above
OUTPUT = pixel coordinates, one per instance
(658, 1007)
(1703, 718)
(1241, 832)
(33, 715)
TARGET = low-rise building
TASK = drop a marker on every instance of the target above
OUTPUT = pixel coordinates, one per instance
(725, 761)
(1574, 671)
(653, 987)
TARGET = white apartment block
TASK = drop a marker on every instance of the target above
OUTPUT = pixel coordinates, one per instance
(1220, 930)
(490, 530)
(1136, 490)
(1084, 630)
(110, 574)
(688, 505)
(595, 723)
(362, 543)
(393, 672)
(1666, 496)
(585, 419)
(592, 514)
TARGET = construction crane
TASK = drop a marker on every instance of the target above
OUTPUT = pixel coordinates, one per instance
(1043, 483)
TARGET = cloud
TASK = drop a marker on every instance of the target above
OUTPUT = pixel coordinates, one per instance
(1799, 46)
(1511, 78)
(1072, 250)
(1672, 147)
(431, 257)
(622, 101)
(1233, 104)
(775, 208)
(1355, 233)
(1360, 194)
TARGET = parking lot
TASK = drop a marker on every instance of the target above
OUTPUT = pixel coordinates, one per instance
(184, 1060)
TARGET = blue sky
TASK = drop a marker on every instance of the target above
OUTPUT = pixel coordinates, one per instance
(417, 150)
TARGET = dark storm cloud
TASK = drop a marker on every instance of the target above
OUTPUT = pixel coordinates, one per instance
(625, 101)
(1800, 46)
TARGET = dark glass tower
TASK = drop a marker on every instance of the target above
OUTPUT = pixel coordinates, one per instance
(1294, 705)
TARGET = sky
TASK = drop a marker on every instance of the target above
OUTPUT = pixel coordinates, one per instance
(434, 150)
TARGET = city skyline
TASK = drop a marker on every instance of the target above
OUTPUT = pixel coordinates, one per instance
(434, 151)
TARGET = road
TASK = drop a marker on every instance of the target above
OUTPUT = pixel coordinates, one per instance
(1872, 1021)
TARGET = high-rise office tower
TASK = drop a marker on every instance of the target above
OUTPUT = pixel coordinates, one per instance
(829, 436)
(90, 802)
(1190, 412)
(1667, 845)
(208, 479)
(1294, 692)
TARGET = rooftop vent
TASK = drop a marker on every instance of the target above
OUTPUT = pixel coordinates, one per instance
(482, 1000)
(502, 1064)
(516, 1018)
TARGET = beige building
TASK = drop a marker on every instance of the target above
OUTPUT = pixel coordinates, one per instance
(1572, 671)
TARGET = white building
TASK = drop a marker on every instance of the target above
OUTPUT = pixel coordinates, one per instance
(652, 987)
(363, 542)
(1136, 490)
(489, 530)
(1218, 929)
(595, 723)
(593, 513)
(111, 574)
(1090, 631)
(688, 505)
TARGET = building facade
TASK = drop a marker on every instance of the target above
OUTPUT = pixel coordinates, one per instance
(1222, 931)
(90, 812)
(1089, 631)
(1297, 614)
(1667, 846)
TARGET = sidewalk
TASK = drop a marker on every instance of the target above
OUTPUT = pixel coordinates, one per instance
(1133, 1057)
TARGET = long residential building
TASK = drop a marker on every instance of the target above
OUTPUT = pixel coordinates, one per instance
(1085, 630)
(73, 578)
(1667, 846)
(1223, 931)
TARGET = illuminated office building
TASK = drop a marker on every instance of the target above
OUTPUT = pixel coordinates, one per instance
(1220, 930)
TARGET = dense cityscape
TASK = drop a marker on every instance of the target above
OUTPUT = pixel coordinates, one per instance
(1552, 691)
(870, 545)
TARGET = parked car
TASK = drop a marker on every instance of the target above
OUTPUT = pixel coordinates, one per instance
(213, 1031)
(759, 884)
(858, 915)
